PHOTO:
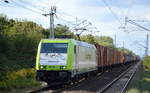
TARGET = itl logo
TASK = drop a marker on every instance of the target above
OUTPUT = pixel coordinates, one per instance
(88, 56)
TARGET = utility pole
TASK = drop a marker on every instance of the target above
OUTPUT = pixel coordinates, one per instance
(51, 14)
(140, 26)
(147, 45)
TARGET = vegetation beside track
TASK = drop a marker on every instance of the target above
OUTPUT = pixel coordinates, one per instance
(146, 63)
(141, 81)
(18, 45)
(21, 79)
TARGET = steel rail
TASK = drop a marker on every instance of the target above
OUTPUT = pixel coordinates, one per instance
(128, 81)
(117, 78)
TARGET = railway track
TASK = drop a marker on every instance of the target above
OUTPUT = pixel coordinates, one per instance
(119, 84)
(97, 84)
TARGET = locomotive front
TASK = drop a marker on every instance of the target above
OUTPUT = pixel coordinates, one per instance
(52, 61)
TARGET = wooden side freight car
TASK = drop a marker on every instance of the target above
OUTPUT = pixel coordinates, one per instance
(107, 57)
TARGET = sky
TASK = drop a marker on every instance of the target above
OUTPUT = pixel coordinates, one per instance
(107, 17)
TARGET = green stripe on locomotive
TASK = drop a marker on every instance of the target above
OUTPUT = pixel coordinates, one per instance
(70, 56)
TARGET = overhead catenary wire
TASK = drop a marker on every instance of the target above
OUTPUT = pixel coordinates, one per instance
(33, 8)
(4, 4)
(48, 3)
(29, 4)
(59, 18)
(128, 13)
(67, 14)
(22, 6)
(27, 8)
(76, 23)
(16, 4)
(138, 25)
(129, 8)
(113, 14)
(74, 17)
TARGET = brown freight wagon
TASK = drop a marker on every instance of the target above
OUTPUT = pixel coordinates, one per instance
(100, 55)
(112, 56)
(122, 58)
(108, 56)
(105, 56)
(117, 57)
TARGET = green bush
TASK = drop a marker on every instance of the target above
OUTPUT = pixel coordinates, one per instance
(20, 79)
(3, 85)
(146, 63)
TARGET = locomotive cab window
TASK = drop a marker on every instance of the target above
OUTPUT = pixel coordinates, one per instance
(54, 48)
(53, 54)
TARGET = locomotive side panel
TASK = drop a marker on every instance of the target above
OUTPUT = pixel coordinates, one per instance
(85, 59)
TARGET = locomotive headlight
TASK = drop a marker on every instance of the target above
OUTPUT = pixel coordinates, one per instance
(41, 67)
(64, 67)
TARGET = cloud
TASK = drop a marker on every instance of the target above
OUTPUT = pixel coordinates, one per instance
(94, 11)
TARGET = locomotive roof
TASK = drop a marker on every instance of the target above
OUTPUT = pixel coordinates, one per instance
(81, 43)
(76, 42)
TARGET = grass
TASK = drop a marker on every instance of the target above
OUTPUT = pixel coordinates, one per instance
(17, 74)
(21, 79)
(146, 63)
(141, 81)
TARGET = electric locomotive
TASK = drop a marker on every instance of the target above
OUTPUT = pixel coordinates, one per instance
(61, 60)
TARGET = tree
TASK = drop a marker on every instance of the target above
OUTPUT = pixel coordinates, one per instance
(19, 41)
(25, 35)
(61, 31)
(5, 24)
(126, 51)
(88, 38)
(105, 41)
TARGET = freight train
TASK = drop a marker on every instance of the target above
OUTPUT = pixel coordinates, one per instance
(67, 60)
